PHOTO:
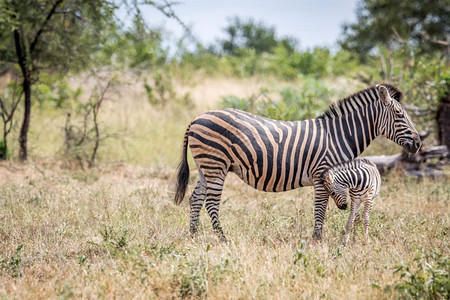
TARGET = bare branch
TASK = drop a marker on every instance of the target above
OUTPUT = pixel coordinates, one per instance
(429, 38)
(418, 112)
(95, 111)
(41, 29)
(397, 36)
(167, 9)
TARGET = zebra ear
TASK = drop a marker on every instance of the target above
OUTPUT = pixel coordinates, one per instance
(328, 179)
(383, 94)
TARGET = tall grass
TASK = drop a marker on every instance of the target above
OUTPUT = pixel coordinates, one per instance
(114, 232)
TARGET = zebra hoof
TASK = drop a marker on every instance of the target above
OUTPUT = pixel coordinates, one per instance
(193, 231)
(317, 236)
(223, 239)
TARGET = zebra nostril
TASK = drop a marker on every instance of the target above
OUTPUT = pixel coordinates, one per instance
(343, 206)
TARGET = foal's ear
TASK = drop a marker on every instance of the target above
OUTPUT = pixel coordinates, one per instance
(383, 93)
(328, 179)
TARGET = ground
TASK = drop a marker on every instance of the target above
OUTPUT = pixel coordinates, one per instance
(114, 232)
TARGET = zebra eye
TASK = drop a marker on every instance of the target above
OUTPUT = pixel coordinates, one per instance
(398, 113)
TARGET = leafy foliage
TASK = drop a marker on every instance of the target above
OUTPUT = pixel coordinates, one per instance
(290, 105)
(425, 278)
(138, 47)
(53, 90)
(12, 265)
(394, 23)
(58, 41)
(249, 34)
(5, 153)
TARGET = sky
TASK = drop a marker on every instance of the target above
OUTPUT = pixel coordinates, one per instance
(311, 22)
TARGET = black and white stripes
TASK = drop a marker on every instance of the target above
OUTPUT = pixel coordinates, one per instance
(363, 181)
(276, 156)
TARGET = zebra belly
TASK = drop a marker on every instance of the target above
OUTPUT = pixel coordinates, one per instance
(276, 183)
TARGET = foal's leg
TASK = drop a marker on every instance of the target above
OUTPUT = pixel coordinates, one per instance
(356, 224)
(366, 217)
(353, 211)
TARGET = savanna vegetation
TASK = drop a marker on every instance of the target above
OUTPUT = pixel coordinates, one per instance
(93, 112)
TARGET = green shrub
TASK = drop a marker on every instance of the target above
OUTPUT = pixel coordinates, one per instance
(55, 91)
(290, 104)
(194, 282)
(424, 278)
(12, 265)
(343, 63)
(4, 153)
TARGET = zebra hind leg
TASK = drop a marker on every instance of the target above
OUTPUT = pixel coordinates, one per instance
(366, 218)
(356, 225)
(212, 203)
(196, 203)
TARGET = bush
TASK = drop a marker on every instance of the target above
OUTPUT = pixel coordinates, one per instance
(425, 278)
(343, 63)
(4, 154)
(282, 61)
(290, 104)
(55, 91)
(314, 63)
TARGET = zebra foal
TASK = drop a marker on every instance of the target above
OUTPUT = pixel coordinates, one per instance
(276, 156)
(363, 181)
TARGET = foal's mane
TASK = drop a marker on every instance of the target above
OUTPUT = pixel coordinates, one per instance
(361, 98)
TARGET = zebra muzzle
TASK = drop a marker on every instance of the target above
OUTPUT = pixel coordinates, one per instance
(343, 206)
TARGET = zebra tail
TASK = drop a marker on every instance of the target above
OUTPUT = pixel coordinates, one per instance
(183, 172)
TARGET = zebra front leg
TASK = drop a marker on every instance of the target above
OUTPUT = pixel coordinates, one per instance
(320, 208)
(355, 225)
(212, 204)
(195, 205)
(351, 220)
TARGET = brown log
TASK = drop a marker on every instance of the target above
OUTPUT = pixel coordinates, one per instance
(385, 163)
(414, 164)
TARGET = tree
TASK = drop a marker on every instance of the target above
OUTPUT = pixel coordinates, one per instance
(55, 36)
(394, 23)
(9, 102)
(411, 39)
(250, 34)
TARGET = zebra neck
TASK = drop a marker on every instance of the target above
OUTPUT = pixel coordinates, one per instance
(351, 133)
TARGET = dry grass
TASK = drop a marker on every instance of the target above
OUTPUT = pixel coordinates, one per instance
(114, 233)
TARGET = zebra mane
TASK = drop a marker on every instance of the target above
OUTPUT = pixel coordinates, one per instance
(348, 104)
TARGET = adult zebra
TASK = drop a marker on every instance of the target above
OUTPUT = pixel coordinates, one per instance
(277, 156)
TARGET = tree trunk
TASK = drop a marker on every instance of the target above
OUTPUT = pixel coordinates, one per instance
(23, 139)
(25, 66)
(4, 152)
(443, 121)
